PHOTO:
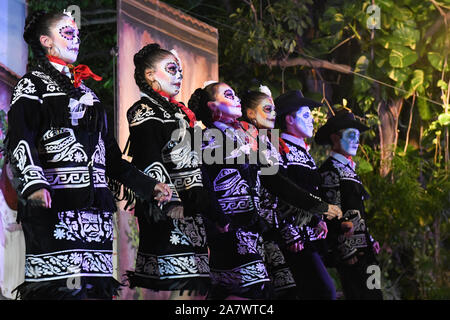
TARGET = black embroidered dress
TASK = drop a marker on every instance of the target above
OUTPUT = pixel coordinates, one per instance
(172, 253)
(72, 159)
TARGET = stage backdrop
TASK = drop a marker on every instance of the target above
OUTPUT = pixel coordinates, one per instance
(141, 22)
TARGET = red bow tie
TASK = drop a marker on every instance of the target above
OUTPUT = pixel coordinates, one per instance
(79, 72)
(186, 110)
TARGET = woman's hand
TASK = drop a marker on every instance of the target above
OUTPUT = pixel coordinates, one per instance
(40, 198)
(376, 247)
(223, 229)
(162, 193)
(176, 212)
(347, 227)
(333, 212)
(296, 246)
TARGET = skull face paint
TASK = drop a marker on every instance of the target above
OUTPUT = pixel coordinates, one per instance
(265, 114)
(350, 141)
(168, 75)
(227, 105)
(304, 122)
(66, 39)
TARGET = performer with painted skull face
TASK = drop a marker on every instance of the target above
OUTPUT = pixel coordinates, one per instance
(62, 151)
(294, 118)
(172, 255)
(234, 221)
(259, 109)
(349, 239)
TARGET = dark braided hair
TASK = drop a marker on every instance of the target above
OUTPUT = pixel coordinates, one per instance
(147, 57)
(198, 103)
(39, 23)
(251, 100)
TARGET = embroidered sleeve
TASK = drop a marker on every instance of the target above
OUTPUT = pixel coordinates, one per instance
(21, 144)
(147, 140)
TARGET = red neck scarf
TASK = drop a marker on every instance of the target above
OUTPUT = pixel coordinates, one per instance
(186, 110)
(351, 161)
(79, 72)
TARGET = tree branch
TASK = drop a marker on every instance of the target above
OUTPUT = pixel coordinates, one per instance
(311, 63)
(437, 25)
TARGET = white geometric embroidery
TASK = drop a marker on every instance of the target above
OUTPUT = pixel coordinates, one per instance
(180, 154)
(244, 275)
(25, 88)
(51, 85)
(187, 180)
(99, 153)
(31, 174)
(64, 264)
(78, 177)
(63, 144)
(157, 171)
(297, 156)
(140, 114)
(183, 265)
(345, 172)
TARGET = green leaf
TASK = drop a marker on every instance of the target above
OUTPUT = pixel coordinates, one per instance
(442, 84)
(437, 61)
(364, 166)
(397, 74)
(444, 119)
(401, 57)
(424, 109)
(417, 80)
(407, 36)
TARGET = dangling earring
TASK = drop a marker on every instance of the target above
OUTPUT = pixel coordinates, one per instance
(253, 121)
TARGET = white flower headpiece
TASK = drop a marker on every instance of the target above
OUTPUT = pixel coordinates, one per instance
(68, 13)
(266, 90)
(175, 53)
(207, 83)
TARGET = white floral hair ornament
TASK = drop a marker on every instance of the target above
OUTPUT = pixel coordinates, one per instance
(68, 13)
(266, 90)
(207, 83)
(175, 53)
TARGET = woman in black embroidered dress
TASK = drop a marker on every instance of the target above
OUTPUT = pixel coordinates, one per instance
(172, 254)
(61, 149)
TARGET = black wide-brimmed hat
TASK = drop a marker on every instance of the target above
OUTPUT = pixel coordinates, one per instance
(341, 120)
(292, 101)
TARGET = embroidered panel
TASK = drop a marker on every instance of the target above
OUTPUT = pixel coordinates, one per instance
(348, 246)
(181, 154)
(186, 180)
(188, 231)
(172, 266)
(62, 143)
(52, 86)
(31, 174)
(157, 171)
(242, 276)
(78, 177)
(64, 264)
(249, 243)
(283, 279)
(274, 256)
(24, 88)
(85, 226)
(345, 172)
(296, 156)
